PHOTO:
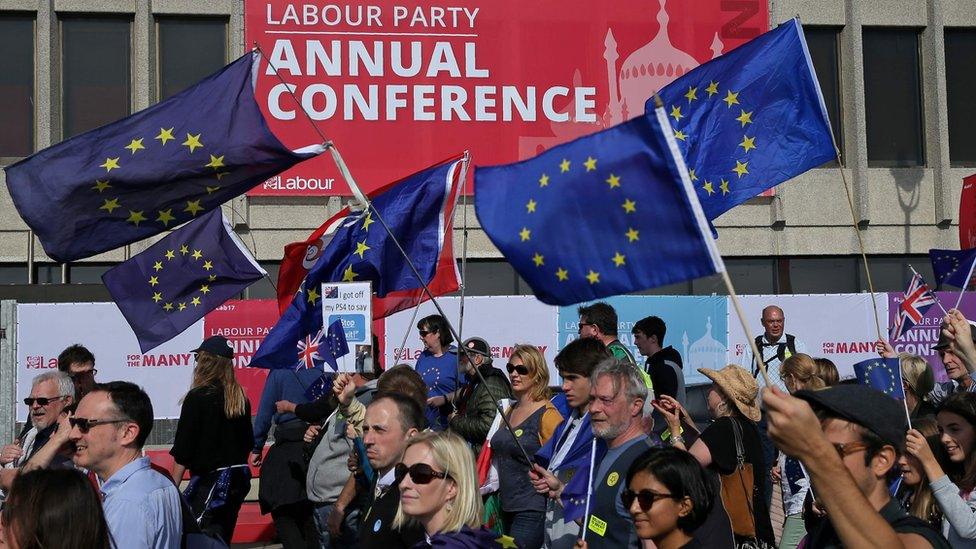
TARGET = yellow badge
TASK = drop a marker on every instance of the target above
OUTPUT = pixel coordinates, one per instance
(613, 478)
(598, 525)
(518, 432)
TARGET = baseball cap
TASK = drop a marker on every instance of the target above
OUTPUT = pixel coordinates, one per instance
(216, 345)
(944, 341)
(872, 409)
(478, 346)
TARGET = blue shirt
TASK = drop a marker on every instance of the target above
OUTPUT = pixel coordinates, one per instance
(142, 508)
(282, 384)
(440, 373)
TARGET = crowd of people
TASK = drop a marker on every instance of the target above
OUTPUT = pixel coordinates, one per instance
(459, 452)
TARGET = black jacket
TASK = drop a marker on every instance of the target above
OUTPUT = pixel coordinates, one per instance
(476, 409)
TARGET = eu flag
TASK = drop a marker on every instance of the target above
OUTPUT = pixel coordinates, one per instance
(883, 374)
(750, 119)
(606, 214)
(362, 250)
(323, 348)
(173, 283)
(952, 267)
(151, 171)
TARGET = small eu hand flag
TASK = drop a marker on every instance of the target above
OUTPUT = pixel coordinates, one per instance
(953, 267)
(883, 374)
(173, 283)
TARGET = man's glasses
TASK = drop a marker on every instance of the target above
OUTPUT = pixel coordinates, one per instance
(847, 448)
(645, 498)
(520, 368)
(420, 473)
(84, 424)
(91, 372)
(581, 324)
(42, 401)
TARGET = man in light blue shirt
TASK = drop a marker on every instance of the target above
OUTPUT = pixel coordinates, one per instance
(142, 507)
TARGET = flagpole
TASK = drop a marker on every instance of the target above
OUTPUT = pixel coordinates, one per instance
(964, 284)
(406, 334)
(937, 301)
(745, 328)
(464, 263)
(589, 486)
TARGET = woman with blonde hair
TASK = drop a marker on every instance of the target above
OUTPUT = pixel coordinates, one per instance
(439, 490)
(918, 380)
(533, 419)
(213, 437)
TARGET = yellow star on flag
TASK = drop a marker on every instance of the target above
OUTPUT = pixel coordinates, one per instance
(745, 117)
(192, 141)
(564, 166)
(629, 206)
(195, 301)
(613, 181)
(205, 289)
(724, 185)
(692, 176)
(215, 162)
(712, 88)
(731, 98)
(593, 277)
(193, 206)
(367, 221)
(680, 135)
(158, 266)
(633, 234)
(135, 145)
(136, 217)
(157, 297)
(110, 164)
(164, 135)
(110, 205)
(748, 143)
(544, 180)
(211, 278)
(168, 307)
(154, 280)
(349, 275)
(197, 254)
(166, 217)
(361, 248)
(211, 190)
(708, 188)
(207, 265)
(531, 206)
(170, 254)
(220, 175)
(676, 113)
(590, 163)
(184, 250)
(692, 94)
(562, 274)
(619, 259)
(100, 185)
(182, 306)
(740, 168)
(506, 542)
(525, 234)
(538, 259)
(312, 295)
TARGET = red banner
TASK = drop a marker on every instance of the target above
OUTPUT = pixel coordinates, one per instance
(400, 87)
(967, 214)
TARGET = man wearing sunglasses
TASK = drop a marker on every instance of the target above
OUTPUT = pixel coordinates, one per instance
(849, 447)
(50, 393)
(79, 363)
(476, 407)
(599, 321)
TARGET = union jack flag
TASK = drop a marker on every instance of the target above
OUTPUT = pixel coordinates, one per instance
(918, 299)
(332, 344)
(308, 351)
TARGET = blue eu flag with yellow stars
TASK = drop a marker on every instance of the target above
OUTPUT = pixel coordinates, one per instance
(363, 250)
(172, 284)
(750, 119)
(883, 374)
(606, 214)
(152, 171)
(952, 267)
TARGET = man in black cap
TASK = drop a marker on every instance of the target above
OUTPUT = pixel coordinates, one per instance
(476, 400)
(850, 448)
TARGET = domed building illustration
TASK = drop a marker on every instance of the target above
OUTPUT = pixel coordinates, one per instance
(706, 352)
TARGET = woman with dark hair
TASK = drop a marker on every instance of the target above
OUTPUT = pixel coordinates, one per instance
(438, 366)
(955, 492)
(213, 437)
(914, 492)
(54, 509)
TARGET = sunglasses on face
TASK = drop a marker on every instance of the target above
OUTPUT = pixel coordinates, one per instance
(645, 498)
(845, 449)
(84, 424)
(41, 401)
(423, 333)
(581, 324)
(520, 368)
(91, 372)
(420, 473)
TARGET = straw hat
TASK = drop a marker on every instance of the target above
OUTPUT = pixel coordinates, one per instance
(739, 386)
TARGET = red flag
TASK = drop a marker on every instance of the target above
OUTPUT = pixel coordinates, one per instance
(299, 257)
(967, 214)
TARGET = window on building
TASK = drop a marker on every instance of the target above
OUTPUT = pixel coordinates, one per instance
(188, 51)
(823, 43)
(748, 275)
(960, 57)
(16, 85)
(87, 273)
(262, 289)
(823, 275)
(893, 97)
(95, 69)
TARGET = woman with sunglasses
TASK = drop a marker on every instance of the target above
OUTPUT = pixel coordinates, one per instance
(213, 437)
(533, 419)
(438, 365)
(955, 492)
(438, 490)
